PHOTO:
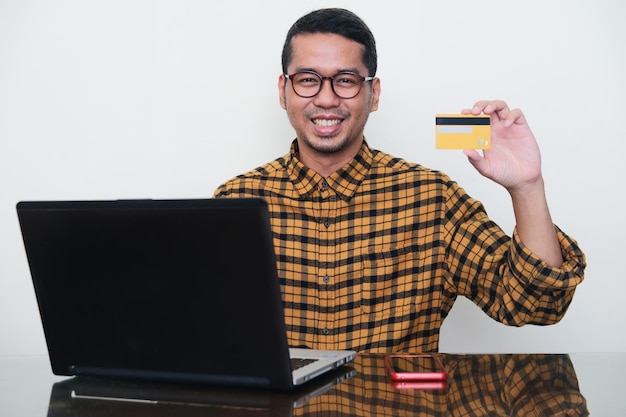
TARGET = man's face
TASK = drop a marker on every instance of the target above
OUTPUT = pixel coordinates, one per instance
(326, 123)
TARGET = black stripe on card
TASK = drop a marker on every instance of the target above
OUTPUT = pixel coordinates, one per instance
(463, 121)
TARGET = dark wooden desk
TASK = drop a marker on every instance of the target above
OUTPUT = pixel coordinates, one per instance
(478, 385)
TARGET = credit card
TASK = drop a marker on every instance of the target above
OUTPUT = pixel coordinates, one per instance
(462, 131)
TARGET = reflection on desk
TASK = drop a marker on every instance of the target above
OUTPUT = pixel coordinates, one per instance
(478, 385)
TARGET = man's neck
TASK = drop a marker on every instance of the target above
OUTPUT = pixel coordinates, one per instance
(326, 164)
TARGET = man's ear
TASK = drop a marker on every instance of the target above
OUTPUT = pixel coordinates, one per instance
(375, 94)
(282, 83)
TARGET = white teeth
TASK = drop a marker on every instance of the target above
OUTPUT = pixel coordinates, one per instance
(326, 122)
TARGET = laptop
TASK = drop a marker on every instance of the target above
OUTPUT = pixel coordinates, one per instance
(164, 290)
(95, 396)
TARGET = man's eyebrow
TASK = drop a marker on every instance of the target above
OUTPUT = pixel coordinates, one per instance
(339, 71)
(299, 69)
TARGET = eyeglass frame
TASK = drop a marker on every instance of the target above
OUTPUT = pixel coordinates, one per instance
(331, 79)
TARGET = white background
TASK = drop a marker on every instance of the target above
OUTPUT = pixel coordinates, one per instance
(168, 99)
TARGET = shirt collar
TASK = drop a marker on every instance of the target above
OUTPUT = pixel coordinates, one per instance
(344, 182)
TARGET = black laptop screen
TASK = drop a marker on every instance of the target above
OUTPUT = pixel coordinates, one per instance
(134, 284)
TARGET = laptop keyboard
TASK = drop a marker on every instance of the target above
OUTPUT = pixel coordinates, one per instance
(297, 363)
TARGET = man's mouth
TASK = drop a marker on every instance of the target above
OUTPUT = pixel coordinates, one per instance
(326, 122)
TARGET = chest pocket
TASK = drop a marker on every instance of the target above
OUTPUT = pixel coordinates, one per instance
(390, 282)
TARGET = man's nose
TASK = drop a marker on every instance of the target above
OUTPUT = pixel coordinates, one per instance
(327, 95)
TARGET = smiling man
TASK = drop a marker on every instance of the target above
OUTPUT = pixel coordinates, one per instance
(372, 250)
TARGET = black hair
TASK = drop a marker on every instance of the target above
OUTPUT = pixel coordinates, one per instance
(337, 21)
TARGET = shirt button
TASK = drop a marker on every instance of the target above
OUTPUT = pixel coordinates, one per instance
(326, 279)
(326, 224)
(324, 184)
(325, 331)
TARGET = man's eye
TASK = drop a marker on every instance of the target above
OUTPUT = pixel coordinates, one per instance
(346, 81)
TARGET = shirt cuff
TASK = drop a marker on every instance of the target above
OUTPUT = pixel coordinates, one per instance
(529, 268)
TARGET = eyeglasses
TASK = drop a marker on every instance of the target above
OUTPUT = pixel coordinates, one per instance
(307, 84)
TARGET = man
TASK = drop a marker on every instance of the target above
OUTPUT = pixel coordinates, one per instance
(372, 250)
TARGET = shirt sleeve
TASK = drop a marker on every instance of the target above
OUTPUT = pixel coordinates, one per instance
(502, 276)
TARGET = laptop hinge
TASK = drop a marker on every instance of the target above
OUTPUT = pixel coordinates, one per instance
(162, 376)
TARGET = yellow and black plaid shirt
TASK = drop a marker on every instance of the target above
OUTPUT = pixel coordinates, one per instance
(374, 256)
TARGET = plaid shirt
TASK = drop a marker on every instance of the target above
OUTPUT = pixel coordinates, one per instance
(374, 256)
